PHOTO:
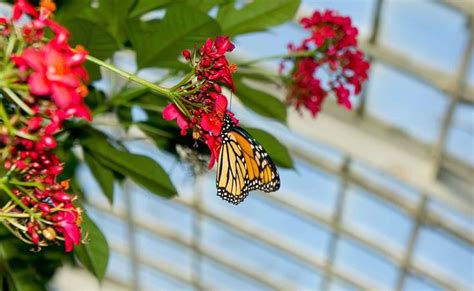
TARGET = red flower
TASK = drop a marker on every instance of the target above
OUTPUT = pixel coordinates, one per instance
(66, 223)
(23, 6)
(213, 64)
(213, 121)
(214, 146)
(333, 40)
(171, 112)
(59, 74)
(204, 100)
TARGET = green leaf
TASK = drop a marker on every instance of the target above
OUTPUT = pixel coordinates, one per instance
(94, 254)
(20, 280)
(141, 169)
(75, 9)
(277, 151)
(95, 38)
(115, 12)
(204, 5)
(182, 27)
(256, 16)
(261, 102)
(144, 6)
(102, 175)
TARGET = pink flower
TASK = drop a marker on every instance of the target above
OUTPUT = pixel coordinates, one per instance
(22, 6)
(214, 146)
(171, 112)
(212, 121)
(57, 73)
(332, 51)
(66, 223)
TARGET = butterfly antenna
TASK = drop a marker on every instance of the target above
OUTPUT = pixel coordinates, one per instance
(230, 106)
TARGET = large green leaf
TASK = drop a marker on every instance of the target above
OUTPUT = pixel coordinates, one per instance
(102, 175)
(94, 254)
(182, 27)
(141, 169)
(143, 6)
(256, 16)
(95, 38)
(115, 13)
(75, 9)
(204, 5)
(277, 151)
(260, 102)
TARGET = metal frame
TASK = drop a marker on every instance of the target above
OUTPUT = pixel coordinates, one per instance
(429, 185)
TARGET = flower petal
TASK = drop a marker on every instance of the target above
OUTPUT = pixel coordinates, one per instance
(170, 112)
(39, 85)
(221, 104)
(182, 121)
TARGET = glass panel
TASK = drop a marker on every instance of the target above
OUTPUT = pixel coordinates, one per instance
(246, 252)
(383, 222)
(366, 264)
(426, 31)
(417, 283)
(390, 183)
(445, 255)
(407, 104)
(460, 140)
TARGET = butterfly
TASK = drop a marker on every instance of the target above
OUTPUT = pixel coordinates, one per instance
(243, 165)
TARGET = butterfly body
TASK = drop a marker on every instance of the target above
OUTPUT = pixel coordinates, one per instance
(243, 165)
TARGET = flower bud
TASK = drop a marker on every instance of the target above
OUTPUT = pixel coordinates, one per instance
(44, 207)
(49, 233)
(186, 54)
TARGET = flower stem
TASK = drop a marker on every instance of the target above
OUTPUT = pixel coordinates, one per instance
(17, 100)
(27, 184)
(6, 120)
(189, 76)
(14, 215)
(7, 226)
(164, 91)
(15, 199)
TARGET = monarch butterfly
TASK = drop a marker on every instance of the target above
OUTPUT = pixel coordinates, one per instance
(243, 165)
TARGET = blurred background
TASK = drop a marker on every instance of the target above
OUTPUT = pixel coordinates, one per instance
(381, 198)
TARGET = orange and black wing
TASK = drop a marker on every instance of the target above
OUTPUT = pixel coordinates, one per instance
(243, 166)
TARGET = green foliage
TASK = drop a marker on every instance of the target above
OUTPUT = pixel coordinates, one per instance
(256, 16)
(95, 38)
(94, 254)
(182, 27)
(103, 176)
(141, 169)
(261, 102)
(18, 271)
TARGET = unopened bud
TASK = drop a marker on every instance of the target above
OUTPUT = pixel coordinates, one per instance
(49, 233)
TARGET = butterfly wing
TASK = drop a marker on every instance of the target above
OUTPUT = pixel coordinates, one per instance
(262, 172)
(232, 178)
(243, 166)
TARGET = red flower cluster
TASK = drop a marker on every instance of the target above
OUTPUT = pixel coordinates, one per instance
(54, 76)
(200, 105)
(46, 198)
(331, 50)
